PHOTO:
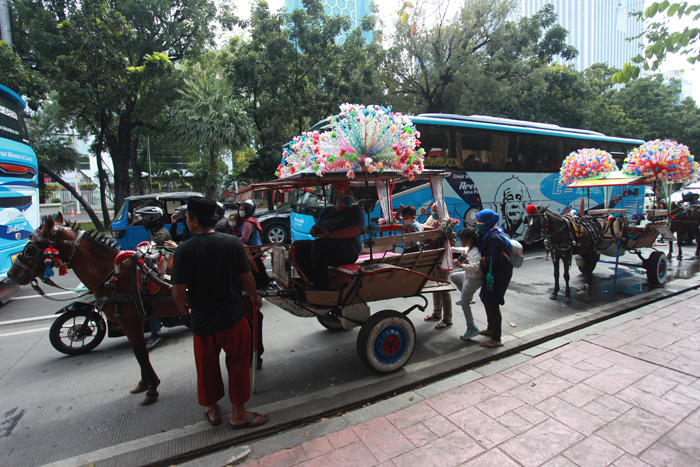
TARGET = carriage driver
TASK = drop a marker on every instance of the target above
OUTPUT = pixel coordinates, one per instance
(337, 232)
(153, 220)
(210, 270)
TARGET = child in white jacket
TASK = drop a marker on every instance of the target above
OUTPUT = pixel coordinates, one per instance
(468, 277)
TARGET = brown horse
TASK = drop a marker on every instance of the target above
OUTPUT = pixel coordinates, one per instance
(91, 257)
(684, 219)
(564, 237)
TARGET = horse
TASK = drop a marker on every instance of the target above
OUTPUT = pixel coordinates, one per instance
(684, 218)
(92, 257)
(564, 237)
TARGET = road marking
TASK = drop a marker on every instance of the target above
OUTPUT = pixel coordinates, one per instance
(25, 297)
(28, 331)
(28, 320)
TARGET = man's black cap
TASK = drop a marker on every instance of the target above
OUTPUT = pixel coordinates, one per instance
(200, 206)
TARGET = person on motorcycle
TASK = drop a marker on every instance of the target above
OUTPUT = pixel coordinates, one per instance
(222, 224)
(153, 220)
(691, 198)
(177, 217)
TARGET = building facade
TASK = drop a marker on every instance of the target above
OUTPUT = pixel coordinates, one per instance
(599, 29)
(354, 9)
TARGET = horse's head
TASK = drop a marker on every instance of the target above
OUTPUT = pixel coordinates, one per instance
(30, 262)
(536, 223)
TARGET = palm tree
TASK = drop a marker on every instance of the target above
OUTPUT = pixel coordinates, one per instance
(208, 116)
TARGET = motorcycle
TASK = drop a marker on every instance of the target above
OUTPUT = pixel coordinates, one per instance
(81, 327)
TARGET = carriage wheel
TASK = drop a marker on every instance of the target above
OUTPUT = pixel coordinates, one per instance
(582, 264)
(78, 331)
(657, 268)
(386, 341)
(332, 323)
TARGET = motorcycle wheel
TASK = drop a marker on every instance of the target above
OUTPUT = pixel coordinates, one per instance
(77, 332)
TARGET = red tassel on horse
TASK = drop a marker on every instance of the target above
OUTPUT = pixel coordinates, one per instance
(62, 270)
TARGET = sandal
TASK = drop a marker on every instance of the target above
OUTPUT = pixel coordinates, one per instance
(250, 423)
(432, 317)
(485, 332)
(491, 344)
(215, 422)
(443, 325)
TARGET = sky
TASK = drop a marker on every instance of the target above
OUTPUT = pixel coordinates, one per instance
(388, 8)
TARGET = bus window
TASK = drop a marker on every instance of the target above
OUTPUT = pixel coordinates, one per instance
(538, 153)
(479, 150)
(435, 140)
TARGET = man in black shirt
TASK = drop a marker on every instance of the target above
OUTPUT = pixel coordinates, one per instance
(210, 270)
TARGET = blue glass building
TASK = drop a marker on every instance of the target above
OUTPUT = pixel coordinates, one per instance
(355, 9)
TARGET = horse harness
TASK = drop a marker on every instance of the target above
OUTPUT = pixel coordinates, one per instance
(571, 224)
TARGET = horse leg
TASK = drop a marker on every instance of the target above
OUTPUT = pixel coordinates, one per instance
(670, 247)
(133, 328)
(696, 235)
(679, 239)
(567, 263)
(555, 263)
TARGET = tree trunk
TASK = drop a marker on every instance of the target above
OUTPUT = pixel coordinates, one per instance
(88, 209)
(120, 150)
(136, 168)
(211, 191)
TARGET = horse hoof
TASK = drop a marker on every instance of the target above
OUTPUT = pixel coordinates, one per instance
(567, 299)
(553, 296)
(140, 387)
(148, 400)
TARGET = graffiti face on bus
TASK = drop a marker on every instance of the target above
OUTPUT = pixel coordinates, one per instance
(511, 199)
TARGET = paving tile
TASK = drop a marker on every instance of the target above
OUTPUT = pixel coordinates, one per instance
(382, 439)
(388, 463)
(440, 425)
(654, 384)
(614, 379)
(589, 349)
(694, 419)
(460, 398)
(541, 443)
(658, 340)
(531, 414)
(490, 458)
(630, 363)
(580, 394)
(564, 371)
(514, 422)
(316, 447)
(572, 356)
(635, 430)
(418, 434)
(499, 383)
(602, 412)
(499, 405)
(451, 450)
(628, 460)
(342, 438)
(686, 395)
(654, 404)
(599, 362)
(559, 461)
(530, 370)
(411, 415)
(352, 455)
(684, 438)
(283, 458)
(517, 376)
(481, 427)
(691, 342)
(658, 356)
(686, 365)
(540, 388)
(662, 454)
(593, 452)
(674, 375)
(635, 349)
(570, 415)
(590, 368)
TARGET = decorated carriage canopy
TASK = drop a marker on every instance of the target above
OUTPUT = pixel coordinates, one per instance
(615, 178)
(666, 161)
(360, 139)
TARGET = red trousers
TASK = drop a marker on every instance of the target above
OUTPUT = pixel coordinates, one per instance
(235, 342)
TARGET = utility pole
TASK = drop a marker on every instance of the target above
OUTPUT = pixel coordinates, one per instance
(148, 156)
(5, 30)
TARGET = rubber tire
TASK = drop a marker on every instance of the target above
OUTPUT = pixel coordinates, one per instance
(657, 268)
(331, 323)
(276, 233)
(582, 270)
(73, 318)
(386, 327)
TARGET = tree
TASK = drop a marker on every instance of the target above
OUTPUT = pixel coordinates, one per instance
(210, 117)
(661, 41)
(107, 60)
(294, 71)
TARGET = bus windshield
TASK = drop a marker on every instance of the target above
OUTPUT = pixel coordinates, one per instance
(19, 192)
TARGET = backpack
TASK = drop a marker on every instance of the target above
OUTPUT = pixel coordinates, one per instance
(516, 252)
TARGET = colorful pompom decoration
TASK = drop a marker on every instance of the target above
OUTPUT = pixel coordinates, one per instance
(586, 163)
(666, 161)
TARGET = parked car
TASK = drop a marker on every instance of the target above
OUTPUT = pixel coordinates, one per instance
(275, 224)
(127, 229)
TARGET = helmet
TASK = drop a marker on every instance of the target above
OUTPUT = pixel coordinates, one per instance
(220, 211)
(248, 206)
(152, 217)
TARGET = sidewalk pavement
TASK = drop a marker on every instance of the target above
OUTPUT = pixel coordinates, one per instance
(624, 392)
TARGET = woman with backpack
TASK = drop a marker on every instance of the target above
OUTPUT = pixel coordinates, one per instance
(497, 271)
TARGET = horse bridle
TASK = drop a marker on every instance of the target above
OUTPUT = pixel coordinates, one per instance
(34, 251)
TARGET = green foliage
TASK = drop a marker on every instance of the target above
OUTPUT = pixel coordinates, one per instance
(21, 78)
(56, 200)
(661, 41)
